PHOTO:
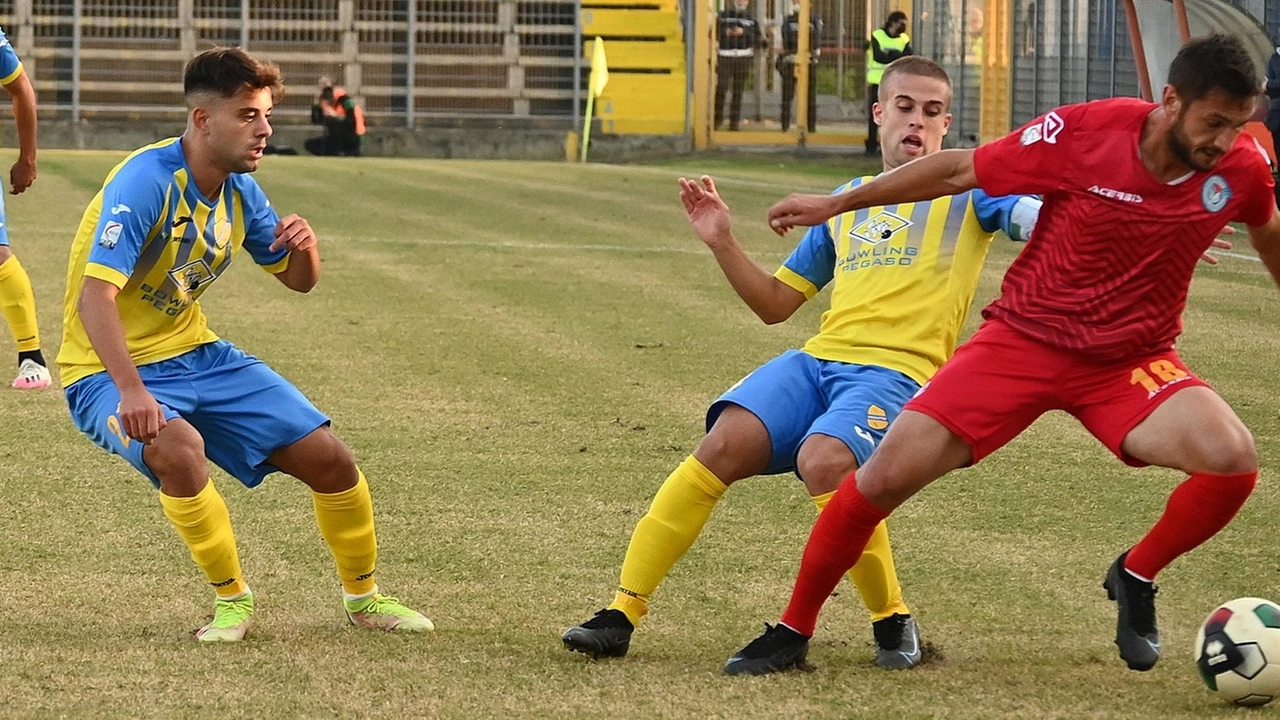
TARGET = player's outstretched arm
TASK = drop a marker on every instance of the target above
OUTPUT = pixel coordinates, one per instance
(1266, 240)
(294, 235)
(141, 416)
(768, 297)
(949, 172)
(23, 172)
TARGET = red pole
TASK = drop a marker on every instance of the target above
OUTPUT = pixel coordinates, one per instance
(1139, 55)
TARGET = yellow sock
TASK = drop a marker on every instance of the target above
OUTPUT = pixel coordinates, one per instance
(665, 533)
(875, 575)
(18, 304)
(205, 526)
(346, 523)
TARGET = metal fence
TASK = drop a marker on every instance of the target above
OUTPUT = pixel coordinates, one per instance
(404, 59)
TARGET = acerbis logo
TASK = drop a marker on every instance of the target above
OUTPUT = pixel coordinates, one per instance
(1116, 194)
(1046, 130)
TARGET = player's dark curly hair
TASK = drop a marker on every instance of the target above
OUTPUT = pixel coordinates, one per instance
(1216, 62)
(227, 71)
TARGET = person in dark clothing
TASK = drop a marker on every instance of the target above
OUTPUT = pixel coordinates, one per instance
(887, 44)
(343, 121)
(1273, 112)
(786, 64)
(738, 35)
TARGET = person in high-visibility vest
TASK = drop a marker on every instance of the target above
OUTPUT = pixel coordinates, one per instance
(343, 121)
(887, 44)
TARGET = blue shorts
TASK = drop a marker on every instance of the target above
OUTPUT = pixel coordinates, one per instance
(797, 395)
(4, 228)
(242, 408)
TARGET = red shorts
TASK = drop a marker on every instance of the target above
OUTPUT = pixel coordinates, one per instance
(1000, 381)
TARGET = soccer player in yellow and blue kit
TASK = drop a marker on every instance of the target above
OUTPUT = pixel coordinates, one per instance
(17, 301)
(903, 279)
(147, 379)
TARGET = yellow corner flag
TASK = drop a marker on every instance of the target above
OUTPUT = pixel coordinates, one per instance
(599, 68)
(595, 84)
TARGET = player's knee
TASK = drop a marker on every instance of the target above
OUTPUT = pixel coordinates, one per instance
(5, 253)
(717, 453)
(332, 465)
(1233, 453)
(887, 482)
(878, 490)
(177, 459)
(823, 470)
(737, 447)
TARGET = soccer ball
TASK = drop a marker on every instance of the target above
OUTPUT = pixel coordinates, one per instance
(1238, 651)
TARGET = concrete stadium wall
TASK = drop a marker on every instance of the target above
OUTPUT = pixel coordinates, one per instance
(492, 143)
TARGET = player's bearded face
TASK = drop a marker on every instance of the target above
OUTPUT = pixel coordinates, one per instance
(913, 117)
(1205, 129)
(238, 129)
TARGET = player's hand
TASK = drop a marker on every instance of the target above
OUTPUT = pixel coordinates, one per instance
(141, 416)
(21, 175)
(293, 233)
(805, 210)
(1219, 244)
(708, 214)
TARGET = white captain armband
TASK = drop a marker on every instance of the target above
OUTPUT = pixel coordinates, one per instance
(1022, 218)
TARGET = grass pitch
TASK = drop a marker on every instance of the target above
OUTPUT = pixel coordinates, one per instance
(519, 353)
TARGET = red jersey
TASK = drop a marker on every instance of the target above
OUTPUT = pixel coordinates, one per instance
(1107, 269)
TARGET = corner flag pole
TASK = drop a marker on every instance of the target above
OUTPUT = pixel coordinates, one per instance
(598, 79)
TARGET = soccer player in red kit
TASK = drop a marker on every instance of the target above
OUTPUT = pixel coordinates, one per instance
(1134, 192)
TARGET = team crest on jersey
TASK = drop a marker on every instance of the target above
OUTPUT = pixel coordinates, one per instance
(877, 419)
(1215, 193)
(222, 233)
(879, 227)
(192, 276)
(1046, 130)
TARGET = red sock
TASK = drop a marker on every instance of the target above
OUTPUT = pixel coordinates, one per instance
(835, 545)
(1198, 508)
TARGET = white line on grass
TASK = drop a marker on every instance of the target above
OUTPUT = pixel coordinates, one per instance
(510, 245)
(1220, 253)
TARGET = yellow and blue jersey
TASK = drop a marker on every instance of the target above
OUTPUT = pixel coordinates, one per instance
(10, 65)
(904, 276)
(154, 235)
(10, 70)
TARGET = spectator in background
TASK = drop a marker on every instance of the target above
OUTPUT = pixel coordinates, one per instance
(887, 44)
(738, 35)
(1273, 111)
(786, 64)
(342, 118)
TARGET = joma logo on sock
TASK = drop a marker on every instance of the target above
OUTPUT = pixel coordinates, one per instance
(224, 583)
(366, 576)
